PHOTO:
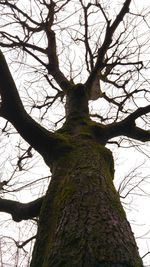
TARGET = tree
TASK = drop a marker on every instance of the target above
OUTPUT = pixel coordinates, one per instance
(81, 219)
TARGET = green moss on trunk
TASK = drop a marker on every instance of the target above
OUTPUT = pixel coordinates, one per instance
(82, 223)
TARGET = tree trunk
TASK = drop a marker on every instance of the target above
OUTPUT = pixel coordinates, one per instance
(82, 222)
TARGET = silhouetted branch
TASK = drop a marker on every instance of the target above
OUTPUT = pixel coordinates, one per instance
(24, 243)
(53, 65)
(12, 109)
(14, 41)
(106, 43)
(21, 211)
(127, 127)
(29, 27)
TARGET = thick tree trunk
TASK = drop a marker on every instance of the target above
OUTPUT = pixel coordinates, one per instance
(82, 223)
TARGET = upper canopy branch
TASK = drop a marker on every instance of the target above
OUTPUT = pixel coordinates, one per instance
(21, 211)
(53, 64)
(15, 9)
(99, 65)
(88, 50)
(29, 27)
(14, 41)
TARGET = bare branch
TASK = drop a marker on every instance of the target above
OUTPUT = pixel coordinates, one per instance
(14, 41)
(15, 7)
(24, 243)
(138, 113)
(21, 211)
(12, 109)
(127, 127)
(106, 43)
(138, 134)
(88, 51)
(53, 65)
(44, 26)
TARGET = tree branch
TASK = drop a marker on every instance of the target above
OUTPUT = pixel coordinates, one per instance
(99, 65)
(24, 20)
(139, 134)
(14, 7)
(53, 65)
(14, 41)
(12, 109)
(137, 113)
(127, 127)
(21, 211)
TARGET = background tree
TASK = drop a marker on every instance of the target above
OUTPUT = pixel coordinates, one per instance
(78, 51)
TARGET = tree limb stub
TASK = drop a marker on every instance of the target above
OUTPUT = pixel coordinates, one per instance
(21, 211)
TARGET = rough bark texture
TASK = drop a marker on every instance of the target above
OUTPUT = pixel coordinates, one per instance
(82, 222)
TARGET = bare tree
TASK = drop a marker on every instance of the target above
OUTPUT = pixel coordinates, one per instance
(70, 53)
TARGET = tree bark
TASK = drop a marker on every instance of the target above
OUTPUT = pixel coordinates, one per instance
(82, 222)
